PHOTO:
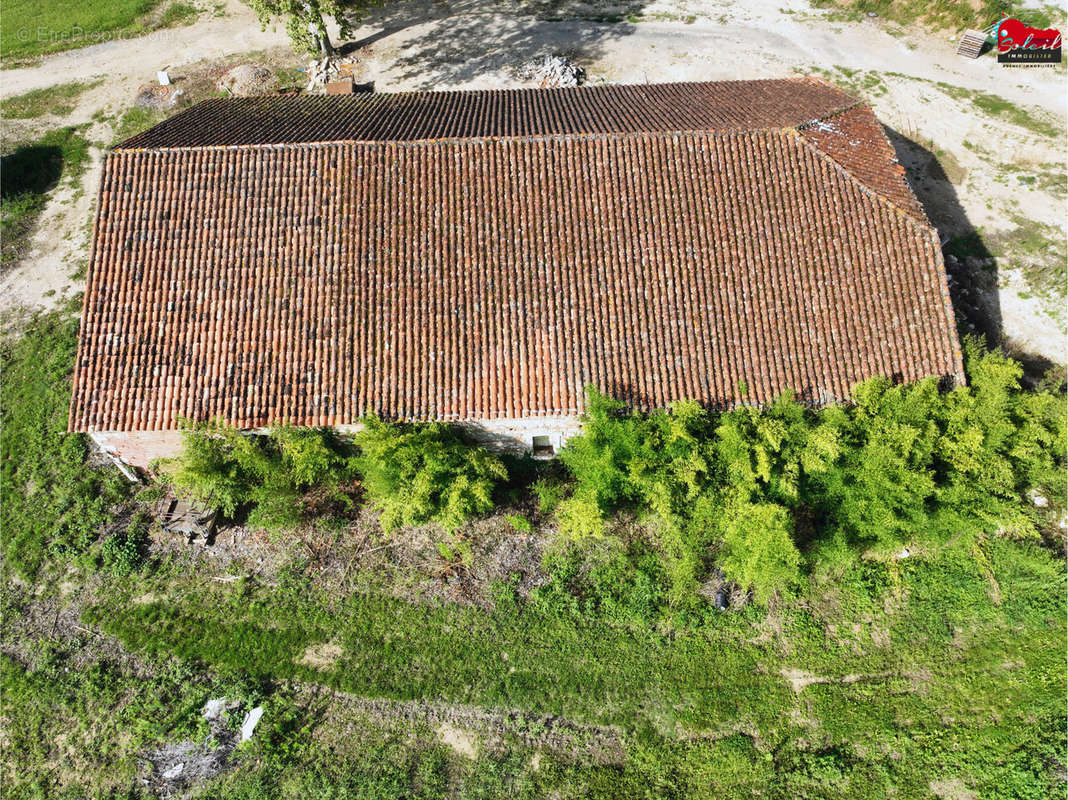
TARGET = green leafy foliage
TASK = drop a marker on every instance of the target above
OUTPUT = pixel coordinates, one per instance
(54, 503)
(758, 548)
(270, 475)
(304, 23)
(751, 488)
(415, 474)
(124, 551)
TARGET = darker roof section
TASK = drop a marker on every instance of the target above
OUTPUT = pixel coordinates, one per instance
(413, 116)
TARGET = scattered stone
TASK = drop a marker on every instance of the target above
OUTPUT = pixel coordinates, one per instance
(550, 72)
(174, 771)
(159, 98)
(247, 80)
(251, 721)
(327, 70)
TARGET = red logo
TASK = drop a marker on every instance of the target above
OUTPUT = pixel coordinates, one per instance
(1018, 42)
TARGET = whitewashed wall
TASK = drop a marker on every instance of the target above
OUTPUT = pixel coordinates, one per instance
(140, 448)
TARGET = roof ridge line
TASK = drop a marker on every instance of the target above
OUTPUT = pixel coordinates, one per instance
(454, 139)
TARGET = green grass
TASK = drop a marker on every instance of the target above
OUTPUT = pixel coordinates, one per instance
(135, 120)
(53, 503)
(952, 682)
(945, 14)
(33, 28)
(56, 100)
(28, 172)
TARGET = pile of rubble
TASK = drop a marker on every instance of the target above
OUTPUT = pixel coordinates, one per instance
(328, 69)
(159, 98)
(550, 72)
(247, 80)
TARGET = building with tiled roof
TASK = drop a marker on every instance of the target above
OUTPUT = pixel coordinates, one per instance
(481, 257)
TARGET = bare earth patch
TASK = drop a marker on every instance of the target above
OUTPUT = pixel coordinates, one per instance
(321, 656)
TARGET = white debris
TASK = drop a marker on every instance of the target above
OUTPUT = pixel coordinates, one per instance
(905, 553)
(322, 71)
(823, 126)
(551, 71)
(163, 78)
(1038, 499)
(214, 708)
(173, 772)
(251, 720)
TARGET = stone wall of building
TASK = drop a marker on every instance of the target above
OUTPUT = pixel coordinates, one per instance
(140, 448)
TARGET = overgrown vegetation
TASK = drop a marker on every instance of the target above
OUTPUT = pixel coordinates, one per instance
(951, 15)
(425, 473)
(919, 659)
(53, 504)
(903, 466)
(28, 171)
(56, 100)
(863, 676)
(280, 479)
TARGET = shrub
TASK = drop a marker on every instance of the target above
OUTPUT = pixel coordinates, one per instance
(267, 474)
(758, 548)
(901, 464)
(124, 551)
(416, 474)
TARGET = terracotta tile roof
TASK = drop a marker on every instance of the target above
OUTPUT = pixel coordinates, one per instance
(857, 141)
(413, 116)
(496, 277)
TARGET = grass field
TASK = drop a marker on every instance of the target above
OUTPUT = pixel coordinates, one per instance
(30, 29)
(909, 679)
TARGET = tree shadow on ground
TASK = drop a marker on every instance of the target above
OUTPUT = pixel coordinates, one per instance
(460, 42)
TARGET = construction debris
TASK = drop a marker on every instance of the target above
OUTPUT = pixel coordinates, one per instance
(173, 769)
(159, 98)
(182, 517)
(252, 719)
(328, 70)
(247, 80)
(551, 72)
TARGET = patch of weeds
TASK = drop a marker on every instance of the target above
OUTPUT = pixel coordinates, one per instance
(54, 502)
(178, 13)
(58, 100)
(135, 120)
(124, 550)
(1038, 251)
(520, 523)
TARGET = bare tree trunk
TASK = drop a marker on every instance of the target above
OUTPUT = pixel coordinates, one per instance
(325, 47)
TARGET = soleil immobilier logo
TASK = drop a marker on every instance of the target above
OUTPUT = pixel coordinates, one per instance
(1019, 43)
